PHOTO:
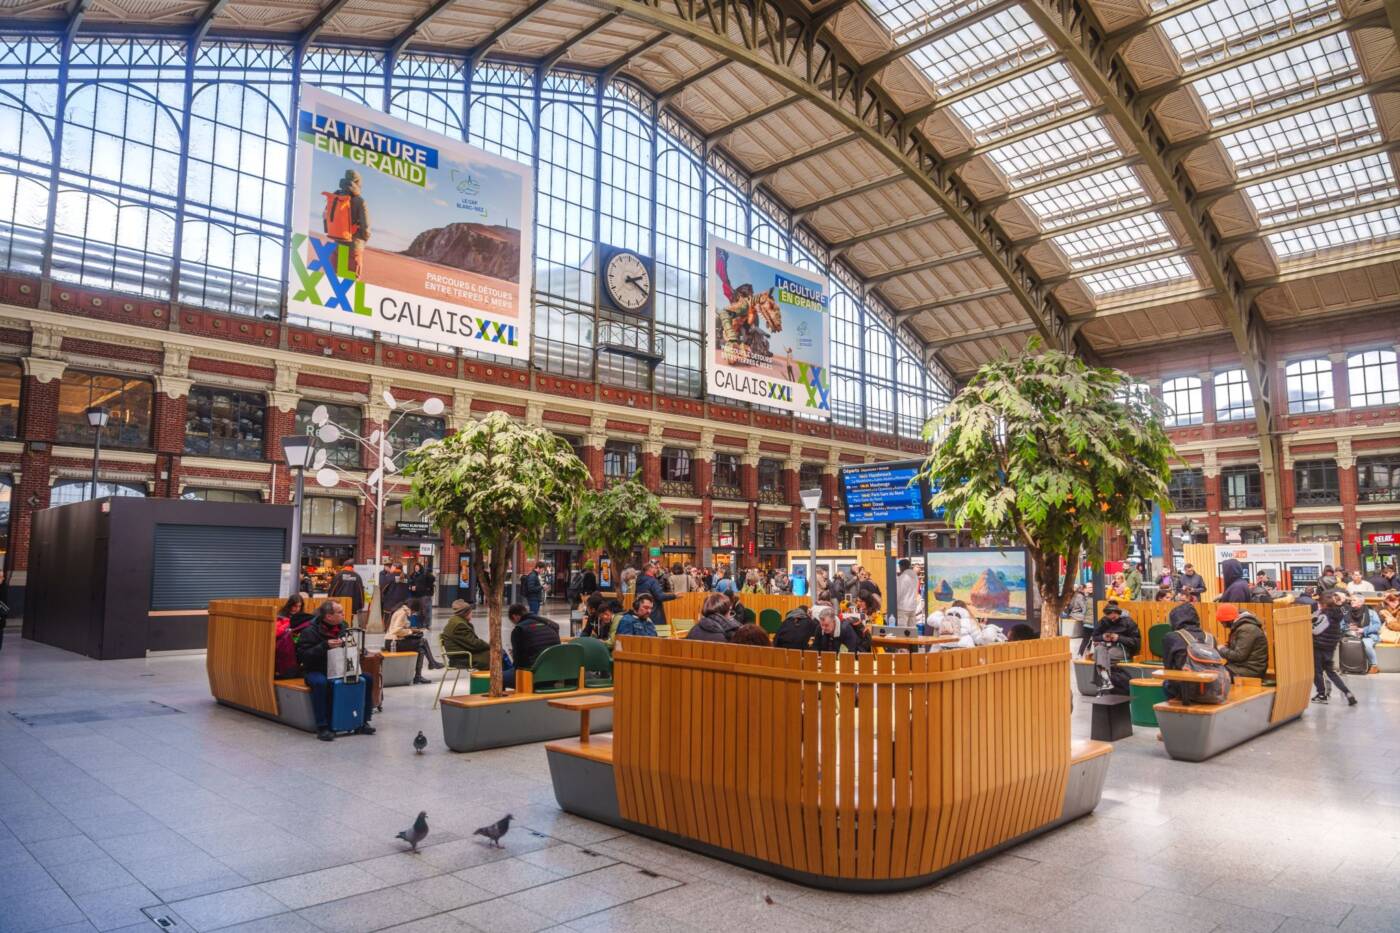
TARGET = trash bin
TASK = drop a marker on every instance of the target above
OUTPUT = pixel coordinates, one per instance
(1145, 692)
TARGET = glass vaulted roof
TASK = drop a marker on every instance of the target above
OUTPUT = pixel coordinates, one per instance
(1278, 82)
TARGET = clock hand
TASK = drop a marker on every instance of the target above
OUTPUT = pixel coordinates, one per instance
(634, 280)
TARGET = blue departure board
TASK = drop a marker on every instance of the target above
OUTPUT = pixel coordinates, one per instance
(881, 493)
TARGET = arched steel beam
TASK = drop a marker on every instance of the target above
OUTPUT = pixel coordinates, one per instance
(825, 73)
(1072, 28)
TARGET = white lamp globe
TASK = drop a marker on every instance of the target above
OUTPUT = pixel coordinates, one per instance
(433, 406)
(327, 477)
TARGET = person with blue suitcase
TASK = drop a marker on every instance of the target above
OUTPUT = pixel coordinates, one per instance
(341, 705)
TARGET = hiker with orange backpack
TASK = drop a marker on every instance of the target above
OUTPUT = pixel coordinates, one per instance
(345, 220)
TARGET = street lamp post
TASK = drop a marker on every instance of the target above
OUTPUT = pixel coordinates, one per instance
(297, 451)
(97, 417)
(811, 501)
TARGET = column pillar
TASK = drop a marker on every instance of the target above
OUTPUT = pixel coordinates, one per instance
(703, 468)
(651, 457)
(1346, 483)
(38, 420)
(593, 443)
(1211, 474)
(829, 510)
(1341, 382)
(1207, 397)
(791, 479)
(748, 488)
(168, 432)
(1288, 493)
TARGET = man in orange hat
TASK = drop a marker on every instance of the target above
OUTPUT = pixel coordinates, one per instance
(1247, 652)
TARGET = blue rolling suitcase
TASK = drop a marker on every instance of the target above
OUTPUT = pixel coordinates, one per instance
(347, 704)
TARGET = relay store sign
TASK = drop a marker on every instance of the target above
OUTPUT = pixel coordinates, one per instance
(403, 231)
(1383, 539)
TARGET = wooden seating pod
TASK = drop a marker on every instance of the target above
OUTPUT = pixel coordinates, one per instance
(1195, 733)
(1388, 658)
(473, 723)
(846, 772)
(241, 662)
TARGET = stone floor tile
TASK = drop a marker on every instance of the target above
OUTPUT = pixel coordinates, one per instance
(113, 908)
(39, 910)
(507, 876)
(446, 892)
(239, 905)
(64, 849)
(98, 874)
(318, 887)
(568, 860)
(502, 916)
(373, 910)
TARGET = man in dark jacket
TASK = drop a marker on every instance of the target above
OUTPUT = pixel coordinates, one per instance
(422, 584)
(1247, 652)
(348, 583)
(1183, 618)
(532, 588)
(464, 647)
(798, 626)
(1385, 580)
(1115, 638)
(1236, 587)
(1325, 648)
(531, 636)
(325, 632)
(1190, 583)
(648, 584)
(394, 591)
(831, 634)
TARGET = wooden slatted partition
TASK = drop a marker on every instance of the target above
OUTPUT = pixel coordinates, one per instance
(857, 766)
(241, 654)
(687, 605)
(1291, 642)
(1148, 614)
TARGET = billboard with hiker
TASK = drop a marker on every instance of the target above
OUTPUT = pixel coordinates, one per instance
(768, 331)
(400, 230)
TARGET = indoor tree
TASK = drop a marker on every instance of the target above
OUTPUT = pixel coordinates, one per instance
(1052, 453)
(619, 518)
(494, 484)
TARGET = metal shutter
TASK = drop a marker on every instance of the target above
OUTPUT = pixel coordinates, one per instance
(197, 563)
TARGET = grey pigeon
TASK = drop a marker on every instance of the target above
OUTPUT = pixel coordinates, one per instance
(420, 742)
(418, 833)
(496, 830)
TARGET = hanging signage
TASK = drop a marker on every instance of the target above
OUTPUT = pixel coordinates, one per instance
(769, 331)
(400, 230)
(413, 528)
(1382, 540)
(881, 493)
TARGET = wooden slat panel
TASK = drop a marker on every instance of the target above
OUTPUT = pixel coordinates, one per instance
(853, 766)
(241, 655)
(1148, 614)
(687, 605)
(1293, 646)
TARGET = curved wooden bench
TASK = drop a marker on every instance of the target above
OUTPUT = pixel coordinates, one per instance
(472, 723)
(839, 771)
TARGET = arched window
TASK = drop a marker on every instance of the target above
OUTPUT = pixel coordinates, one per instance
(1309, 386)
(1233, 400)
(128, 402)
(1183, 400)
(68, 491)
(1374, 378)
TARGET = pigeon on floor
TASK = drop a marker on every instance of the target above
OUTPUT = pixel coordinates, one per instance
(420, 742)
(418, 833)
(496, 830)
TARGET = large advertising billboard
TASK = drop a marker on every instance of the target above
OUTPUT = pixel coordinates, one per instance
(403, 231)
(769, 331)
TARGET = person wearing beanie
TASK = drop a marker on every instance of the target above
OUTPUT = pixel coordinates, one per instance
(1247, 651)
(1115, 638)
(464, 647)
(349, 583)
(1236, 587)
(1183, 618)
(1327, 634)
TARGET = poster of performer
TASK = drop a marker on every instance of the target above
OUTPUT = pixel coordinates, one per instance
(769, 331)
(401, 230)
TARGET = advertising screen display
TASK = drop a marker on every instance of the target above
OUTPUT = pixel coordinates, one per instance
(880, 493)
(400, 230)
(769, 331)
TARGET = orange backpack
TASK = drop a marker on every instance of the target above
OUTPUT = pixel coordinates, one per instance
(336, 216)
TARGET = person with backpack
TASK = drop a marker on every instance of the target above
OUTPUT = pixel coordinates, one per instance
(1326, 635)
(1247, 651)
(530, 637)
(345, 219)
(798, 626)
(1187, 648)
(532, 588)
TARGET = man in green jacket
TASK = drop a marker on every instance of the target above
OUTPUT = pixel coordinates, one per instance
(1247, 653)
(1133, 579)
(460, 640)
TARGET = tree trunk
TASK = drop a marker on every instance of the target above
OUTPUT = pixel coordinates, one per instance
(1047, 580)
(494, 598)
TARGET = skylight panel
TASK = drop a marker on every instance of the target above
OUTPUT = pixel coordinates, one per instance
(1279, 80)
(1350, 184)
(1360, 230)
(1302, 137)
(1025, 101)
(1116, 240)
(1216, 31)
(909, 19)
(1056, 151)
(1108, 192)
(983, 50)
(1147, 274)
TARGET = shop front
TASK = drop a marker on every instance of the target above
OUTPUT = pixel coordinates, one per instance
(678, 545)
(327, 537)
(1380, 545)
(771, 553)
(724, 544)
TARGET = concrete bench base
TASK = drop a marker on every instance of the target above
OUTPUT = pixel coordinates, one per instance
(398, 667)
(1388, 658)
(294, 708)
(1196, 736)
(584, 785)
(470, 724)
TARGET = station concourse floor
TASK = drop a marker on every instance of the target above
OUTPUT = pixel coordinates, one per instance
(127, 795)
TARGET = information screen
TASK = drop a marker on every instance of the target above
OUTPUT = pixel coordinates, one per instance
(881, 493)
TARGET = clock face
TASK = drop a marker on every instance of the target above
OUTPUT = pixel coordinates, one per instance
(627, 281)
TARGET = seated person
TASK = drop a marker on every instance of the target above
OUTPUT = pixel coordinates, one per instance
(1115, 638)
(326, 631)
(739, 612)
(599, 612)
(715, 622)
(798, 626)
(1246, 654)
(1236, 587)
(293, 611)
(1185, 624)
(459, 638)
(1263, 589)
(856, 623)
(751, 635)
(531, 636)
(868, 604)
(1390, 618)
(1365, 623)
(405, 637)
(831, 635)
(1021, 632)
(636, 622)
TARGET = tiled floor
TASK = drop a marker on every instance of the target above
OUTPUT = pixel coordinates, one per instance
(219, 820)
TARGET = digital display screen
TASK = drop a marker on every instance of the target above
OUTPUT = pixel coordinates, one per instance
(881, 493)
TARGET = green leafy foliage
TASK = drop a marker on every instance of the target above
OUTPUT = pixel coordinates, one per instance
(1052, 453)
(621, 517)
(494, 484)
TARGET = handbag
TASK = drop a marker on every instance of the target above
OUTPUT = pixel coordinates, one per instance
(343, 661)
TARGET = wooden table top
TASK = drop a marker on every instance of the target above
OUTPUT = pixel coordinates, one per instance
(579, 703)
(912, 641)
